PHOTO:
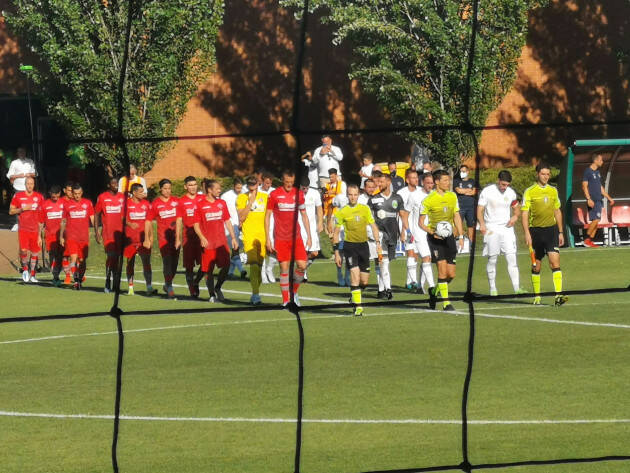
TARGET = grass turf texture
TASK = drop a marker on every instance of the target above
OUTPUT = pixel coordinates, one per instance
(396, 363)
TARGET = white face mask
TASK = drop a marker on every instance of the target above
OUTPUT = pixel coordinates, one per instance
(464, 175)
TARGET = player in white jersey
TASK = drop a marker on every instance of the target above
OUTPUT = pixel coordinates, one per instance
(417, 244)
(230, 199)
(315, 217)
(369, 189)
(497, 211)
(270, 261)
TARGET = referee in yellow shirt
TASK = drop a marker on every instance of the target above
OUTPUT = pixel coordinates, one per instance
(441, 205)
(542, 222)
(251, 208)
(355, 218)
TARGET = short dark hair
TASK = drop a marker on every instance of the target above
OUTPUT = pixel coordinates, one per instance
(352, 186)
(426, 174)
(369, 179)
(208, 183)
(505, 176)
(377, 173)
(305, 181)
(463, 166)
(367, 156)
(332, 171)
(237, 180)
(595, 156)
(163, 182)
(391, 161)
(409, 171)
(288, 172)
(542, 165)
(387, 176)
(189, 179)
(266, 175)
(252, 181)
(55, 189)
(135, 187)
(68, 184)
(77, 186)
(437, 175)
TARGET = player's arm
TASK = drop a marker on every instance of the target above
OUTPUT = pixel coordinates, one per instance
(307, 227)
(148, 233)
(404, 217)
(62, 232)
(268, 213)
(320, 218)
(244, 212)
(558, 214)
(422, 223)
(41, 236)
(13, 210)
(98, 231)
(589, 201)
(605, 194)
(482, 223)
(230, 229)
(525, 217)
(178, 233)
(516, 214)
(376, 234)
(457, 220)
(338, 155)
(335, 240)
(202, 239)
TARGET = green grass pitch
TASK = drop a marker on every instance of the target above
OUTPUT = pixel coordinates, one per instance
(217, 392)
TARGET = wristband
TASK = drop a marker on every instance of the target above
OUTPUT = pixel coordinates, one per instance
(336, 246)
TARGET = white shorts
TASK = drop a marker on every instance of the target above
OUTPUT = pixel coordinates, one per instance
(499, 240)
(420, 244)
(372, 247)
(315, 246)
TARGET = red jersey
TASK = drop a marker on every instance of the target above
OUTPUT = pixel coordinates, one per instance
(51, 215)
(138, 213)
(77, 215)
(111, 207)
(166, 214)
(188, 208)
(28, 221)
(211, 217)
(283, 204)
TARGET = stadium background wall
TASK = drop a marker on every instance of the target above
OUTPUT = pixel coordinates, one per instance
(252, 89)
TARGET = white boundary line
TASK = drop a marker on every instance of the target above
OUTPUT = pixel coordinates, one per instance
(262, 420)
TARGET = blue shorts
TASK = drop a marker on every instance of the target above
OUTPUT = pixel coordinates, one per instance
(468, 216)
(596, 212)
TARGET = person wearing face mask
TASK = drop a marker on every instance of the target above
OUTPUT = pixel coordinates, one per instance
(466, 188)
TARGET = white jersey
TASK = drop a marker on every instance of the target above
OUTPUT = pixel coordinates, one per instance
(312, 200)
(271, 189)
(413, 204)
(363, 199)
(497, 205)
(230, 199)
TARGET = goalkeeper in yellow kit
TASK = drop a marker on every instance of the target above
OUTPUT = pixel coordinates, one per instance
(542, 222)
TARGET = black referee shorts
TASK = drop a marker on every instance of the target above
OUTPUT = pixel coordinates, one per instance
(357, 254)
(545, 240)
(443, 249)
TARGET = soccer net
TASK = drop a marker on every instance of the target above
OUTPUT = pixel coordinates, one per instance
(293, 141)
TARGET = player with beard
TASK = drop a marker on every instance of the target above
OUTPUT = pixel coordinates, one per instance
(191, 247)
(108, 221)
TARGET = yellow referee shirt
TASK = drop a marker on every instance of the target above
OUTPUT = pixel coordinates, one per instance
(439, 207)
(541, 202)
(254, 224)
(355, 221)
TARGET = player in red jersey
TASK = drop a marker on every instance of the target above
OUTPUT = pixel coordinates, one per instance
(283, 203)
(109, 228)
(139, 237)
(165, 212)
(190, 241)
(75, 232)
(26, 205)
(211, 221)
(65, 199)
(50, 218)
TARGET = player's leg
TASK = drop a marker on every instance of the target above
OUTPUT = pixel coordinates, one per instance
(508, 248)
(595, 214)
(34, 250)
(272, 261)
(284, 281)
(491, 249)
(147, 270)
(222, 260)
(207, 269)
(254, 248)
(389, 254)
(554, 264)
(301, 262)
(24, 256)
(130, 254)
(446, 257)
(412, 267)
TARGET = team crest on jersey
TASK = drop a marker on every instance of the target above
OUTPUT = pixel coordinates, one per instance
(84, 206)
(173, 204)
(445, 209)
(357, 218)
(546, 199)
(395, 204)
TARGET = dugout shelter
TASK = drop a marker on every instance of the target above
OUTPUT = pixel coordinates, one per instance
(615, 172)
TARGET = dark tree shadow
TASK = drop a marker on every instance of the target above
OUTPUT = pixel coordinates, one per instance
(253, 91)
(583, 53)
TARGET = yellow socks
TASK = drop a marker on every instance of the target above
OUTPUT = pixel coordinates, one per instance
(536, 282)
(443, 288)
(557, 280)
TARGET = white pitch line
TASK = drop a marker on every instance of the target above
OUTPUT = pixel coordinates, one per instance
(545, 320)
(273, 420)
(184, 326)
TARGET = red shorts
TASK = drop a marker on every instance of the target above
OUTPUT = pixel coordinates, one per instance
(79, 248)
(53, 246)
(135, 249)
(284, 247)
(167, 248)
(216, 256)
(28, 241)
(192, 249)
(112, 246)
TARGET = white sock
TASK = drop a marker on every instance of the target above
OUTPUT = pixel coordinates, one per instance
(423, 281)
(412, 268)
(512, 267)
(387, 280)
(427, 272)
(379, 278)
(491, 271)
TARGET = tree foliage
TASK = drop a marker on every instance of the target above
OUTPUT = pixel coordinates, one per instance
(80, 44)
(412, 55)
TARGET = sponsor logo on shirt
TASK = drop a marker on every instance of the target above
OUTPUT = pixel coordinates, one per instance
(213, 216)
(168, 213)
(138, 215)
(54, 215)
(113, 209)
(78, 213)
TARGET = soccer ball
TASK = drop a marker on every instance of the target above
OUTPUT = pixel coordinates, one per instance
(444, 229)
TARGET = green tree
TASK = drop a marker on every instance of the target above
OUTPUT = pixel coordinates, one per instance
(412, 55)
(80, 45)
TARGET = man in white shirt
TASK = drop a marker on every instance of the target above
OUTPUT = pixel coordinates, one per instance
(124, 186)
(315, 216)
(327, 156)
(366, 170)
(417, 244)
(311, 170)
(230, 199)
(19, 169)
(497, 211)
